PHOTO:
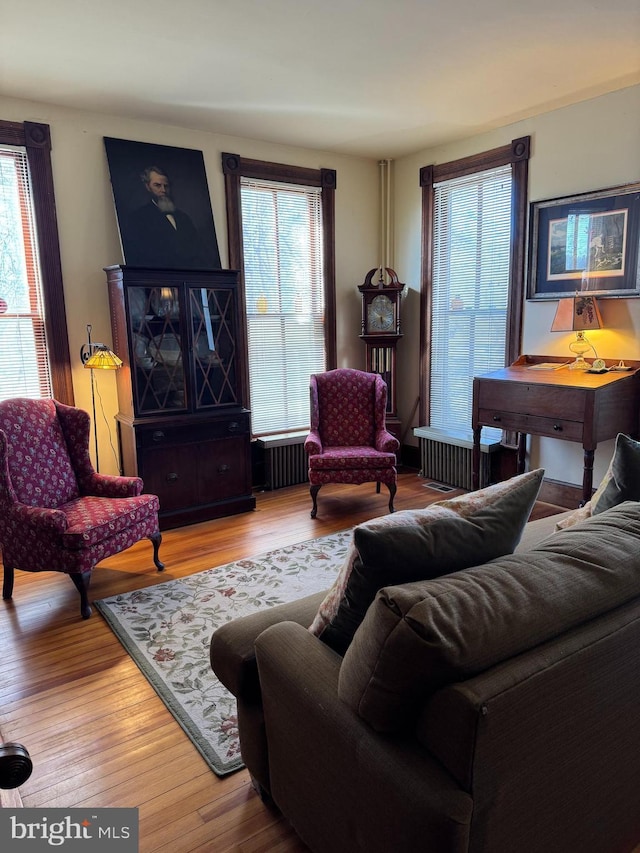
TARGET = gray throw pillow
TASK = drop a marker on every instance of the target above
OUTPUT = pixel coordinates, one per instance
(423, 544)
(622, 480)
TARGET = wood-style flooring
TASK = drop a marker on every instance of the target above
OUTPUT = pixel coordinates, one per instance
(98, 734)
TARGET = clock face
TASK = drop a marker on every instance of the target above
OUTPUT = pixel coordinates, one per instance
(380, 314)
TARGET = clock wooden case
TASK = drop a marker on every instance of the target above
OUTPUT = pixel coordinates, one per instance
(182, 423)
(380, 330)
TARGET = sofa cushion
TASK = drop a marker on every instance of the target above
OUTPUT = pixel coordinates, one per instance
(418, 544)
(418, 637)
(622, 480)
(580, 514)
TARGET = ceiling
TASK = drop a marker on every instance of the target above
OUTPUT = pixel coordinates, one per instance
(372, 78)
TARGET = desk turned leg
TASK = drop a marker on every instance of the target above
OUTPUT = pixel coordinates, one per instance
(475, 460)
(522, 452)
(587, 476)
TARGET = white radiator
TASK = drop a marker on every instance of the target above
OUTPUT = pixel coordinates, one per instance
(285, 459)
(447, 457)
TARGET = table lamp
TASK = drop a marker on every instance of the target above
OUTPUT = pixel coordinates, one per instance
(578, 314)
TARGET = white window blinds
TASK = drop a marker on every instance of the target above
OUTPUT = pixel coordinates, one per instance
(24, 363)
(472, 231)
(282, 244)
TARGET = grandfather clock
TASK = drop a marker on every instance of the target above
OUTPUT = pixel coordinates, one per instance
(381, 333)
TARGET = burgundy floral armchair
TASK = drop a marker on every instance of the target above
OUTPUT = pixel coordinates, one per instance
(56, 513)
(348, 441)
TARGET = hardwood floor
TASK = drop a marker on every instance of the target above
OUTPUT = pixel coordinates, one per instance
(98, 734)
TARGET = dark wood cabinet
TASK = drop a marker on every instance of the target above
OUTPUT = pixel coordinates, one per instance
(182, 423)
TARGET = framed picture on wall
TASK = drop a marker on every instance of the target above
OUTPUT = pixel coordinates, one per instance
(585, 242)
(163, 207)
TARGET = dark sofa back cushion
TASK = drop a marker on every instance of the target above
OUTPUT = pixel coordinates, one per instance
(418, 637)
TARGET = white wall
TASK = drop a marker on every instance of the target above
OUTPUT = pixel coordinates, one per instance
(587, 146)
(89, 237)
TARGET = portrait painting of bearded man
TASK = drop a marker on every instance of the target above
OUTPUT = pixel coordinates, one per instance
(163, 206)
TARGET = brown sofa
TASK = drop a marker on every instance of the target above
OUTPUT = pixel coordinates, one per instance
(493, 710)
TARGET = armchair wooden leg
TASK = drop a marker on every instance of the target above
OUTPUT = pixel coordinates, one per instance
(156, 538)
(314, 497)
(81, 582)
(7, 586)
(392, 491)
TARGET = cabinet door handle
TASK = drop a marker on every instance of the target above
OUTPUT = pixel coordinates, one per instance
(233, 426)
(497, 418)
(172, 477)
(157, 435)
(222, 469)
(557, 427)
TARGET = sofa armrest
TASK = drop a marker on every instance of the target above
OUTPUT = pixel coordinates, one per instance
(368, 792)
(232, 648)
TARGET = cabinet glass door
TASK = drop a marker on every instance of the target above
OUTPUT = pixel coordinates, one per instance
(157, 348)
(213, 330)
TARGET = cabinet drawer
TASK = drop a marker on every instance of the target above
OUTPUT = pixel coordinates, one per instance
(171, 474)
(532, 424)
(524, 398)
(161, 436)
(196, 474)
(222, 470)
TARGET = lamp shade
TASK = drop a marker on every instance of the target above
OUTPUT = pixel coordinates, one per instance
(577, 313)
(103, 359)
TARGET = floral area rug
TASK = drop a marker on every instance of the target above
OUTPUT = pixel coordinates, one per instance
(166, 629)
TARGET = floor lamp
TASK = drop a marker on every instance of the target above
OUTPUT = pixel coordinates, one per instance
(97, 357)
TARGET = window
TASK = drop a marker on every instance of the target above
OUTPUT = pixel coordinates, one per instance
(23, 346)
(34, 351)
(473, 280)
(281, 238)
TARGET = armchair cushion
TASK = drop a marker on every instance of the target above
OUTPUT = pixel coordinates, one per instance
(340, 458)
(39, 465)
(346, 406)
(417, 545)
(93, 519)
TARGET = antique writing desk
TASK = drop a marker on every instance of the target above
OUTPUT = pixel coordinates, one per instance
(568, 404)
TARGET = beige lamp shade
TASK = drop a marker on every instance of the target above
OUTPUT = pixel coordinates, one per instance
(577, 313)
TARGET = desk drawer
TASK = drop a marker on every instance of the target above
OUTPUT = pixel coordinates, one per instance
(524, 398)
(532, 424)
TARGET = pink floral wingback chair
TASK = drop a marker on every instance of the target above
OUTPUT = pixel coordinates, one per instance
(56, 513)
(348, 441)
